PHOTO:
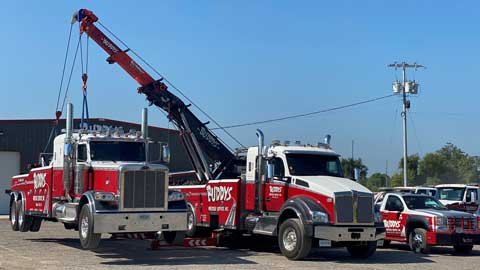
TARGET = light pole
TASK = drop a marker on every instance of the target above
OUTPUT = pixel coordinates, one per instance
(407, 87)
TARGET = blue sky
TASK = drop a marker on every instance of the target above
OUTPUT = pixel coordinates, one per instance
(254, 60)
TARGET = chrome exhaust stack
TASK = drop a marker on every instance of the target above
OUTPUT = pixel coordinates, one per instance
(145, 131)
(68, 153)
(260, 173)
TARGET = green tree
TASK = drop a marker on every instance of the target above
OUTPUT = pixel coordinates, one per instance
(349, 164)
(376, 181)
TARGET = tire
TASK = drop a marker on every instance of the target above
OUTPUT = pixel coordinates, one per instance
(24, 220)
(362, 251)
(417, 240)
(293, 241)
(36, 224)
(174, 237)
(13, 215)
(463, 249)
(88, 239)
(191, 222)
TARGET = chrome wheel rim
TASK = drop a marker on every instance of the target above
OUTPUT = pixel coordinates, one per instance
(13, 215)
(417, 241)
(190, 221)
(289, 239)
(20, 216)
(84, 227)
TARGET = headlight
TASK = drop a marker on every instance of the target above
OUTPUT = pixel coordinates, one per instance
(104, 196)
(442, 224)
(319, 217)
(175, 196)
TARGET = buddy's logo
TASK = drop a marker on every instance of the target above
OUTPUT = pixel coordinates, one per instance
(39, 180)
(220, 193)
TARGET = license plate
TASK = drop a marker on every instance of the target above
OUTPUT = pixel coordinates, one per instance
(144, 217)
(324, 243)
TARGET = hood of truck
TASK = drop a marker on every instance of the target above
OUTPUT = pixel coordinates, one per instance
(448, 202)
(328, 185)
(443, 213)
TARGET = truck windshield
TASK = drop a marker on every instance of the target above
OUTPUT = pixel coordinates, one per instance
(117, 151)
(422, 202)
(311, 164)
(451, 194)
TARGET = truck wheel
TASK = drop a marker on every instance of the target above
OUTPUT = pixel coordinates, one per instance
(417, 241)
(464, 249)
(36, 224)
(88, 239)
(24, 221)
(293, 241)
(191, 222)
(174, 237)
(13, 215)
(362, 251)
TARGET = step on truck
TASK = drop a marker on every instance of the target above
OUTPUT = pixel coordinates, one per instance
(422, 221)
(99, 181)
(294, 193)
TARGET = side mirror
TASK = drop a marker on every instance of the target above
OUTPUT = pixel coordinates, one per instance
(356, 174)
(269, 171)
(473, 197)
(165, 155)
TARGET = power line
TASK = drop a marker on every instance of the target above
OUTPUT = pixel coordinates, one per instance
(306, 114)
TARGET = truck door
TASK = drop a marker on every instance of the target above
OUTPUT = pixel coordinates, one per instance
(392, 216)
(471, 200)
(275, 191)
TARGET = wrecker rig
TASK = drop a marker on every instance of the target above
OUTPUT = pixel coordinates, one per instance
(296, 193)
(98, 182)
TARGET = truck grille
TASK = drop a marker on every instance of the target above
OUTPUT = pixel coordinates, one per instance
(462, 224)
(144, 189)
(353, 207)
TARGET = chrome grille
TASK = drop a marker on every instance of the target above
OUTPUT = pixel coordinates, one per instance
(462, 224)
(144, 189)
(353, 207)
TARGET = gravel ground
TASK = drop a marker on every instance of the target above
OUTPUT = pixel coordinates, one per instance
(56, 248)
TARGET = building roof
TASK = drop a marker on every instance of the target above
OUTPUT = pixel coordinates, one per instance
(96, 120)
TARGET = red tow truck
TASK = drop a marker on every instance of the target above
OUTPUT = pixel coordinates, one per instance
(295, 193)
(99, 181)
(422, 221)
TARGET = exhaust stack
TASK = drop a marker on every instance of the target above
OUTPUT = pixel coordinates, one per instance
(68, 153)
(259, 179)
(145, 131)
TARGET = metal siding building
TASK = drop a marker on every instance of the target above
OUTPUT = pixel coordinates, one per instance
(29, 138)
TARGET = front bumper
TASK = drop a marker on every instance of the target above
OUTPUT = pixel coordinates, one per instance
(457, 239)
(349, 233)
(128, 222)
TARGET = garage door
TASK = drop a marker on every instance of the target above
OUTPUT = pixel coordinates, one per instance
(9, 166)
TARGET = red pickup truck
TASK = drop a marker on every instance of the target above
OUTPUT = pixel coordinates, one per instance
(422, 221)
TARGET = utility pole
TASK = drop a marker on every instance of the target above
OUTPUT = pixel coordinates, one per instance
(407, 87)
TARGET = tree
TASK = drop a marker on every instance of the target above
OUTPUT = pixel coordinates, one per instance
(376, 180)
(349, 164)
(413, 177)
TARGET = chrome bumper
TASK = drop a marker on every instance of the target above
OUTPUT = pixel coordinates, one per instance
(123, 222)
(348, 234)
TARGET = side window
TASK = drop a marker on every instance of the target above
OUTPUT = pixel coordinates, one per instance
(332, 167)
(82, 152)
(394, 204)
(278, 168)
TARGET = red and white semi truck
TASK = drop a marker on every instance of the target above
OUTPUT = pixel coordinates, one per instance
(294, 193)
(98, 182)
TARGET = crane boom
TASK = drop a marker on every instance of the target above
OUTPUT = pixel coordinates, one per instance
(210, 158)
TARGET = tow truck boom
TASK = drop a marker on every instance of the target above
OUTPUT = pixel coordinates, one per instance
(210, 157)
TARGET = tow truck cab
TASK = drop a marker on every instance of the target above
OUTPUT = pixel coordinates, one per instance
(422, 221)
(459, 197)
